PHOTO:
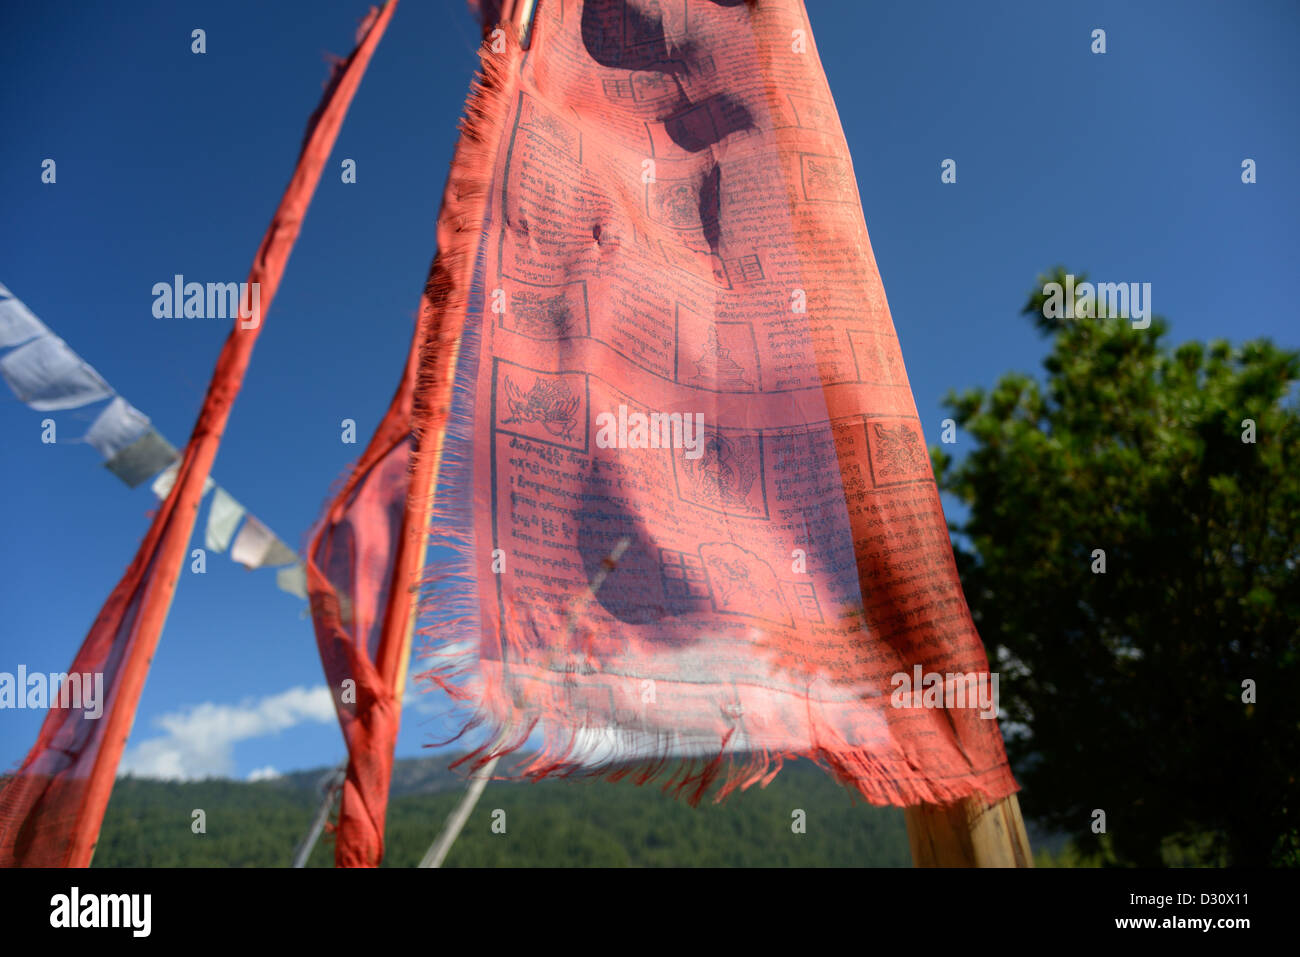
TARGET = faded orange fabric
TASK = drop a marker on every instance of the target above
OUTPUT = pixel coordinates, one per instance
(670, 224)
(52, 808)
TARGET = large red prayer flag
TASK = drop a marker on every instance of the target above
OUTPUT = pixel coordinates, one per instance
(680, 464)
(52, 808)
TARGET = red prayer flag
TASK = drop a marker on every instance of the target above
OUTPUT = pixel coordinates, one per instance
(52, 808)
(364, 562)
(360, 566)
(680, 464)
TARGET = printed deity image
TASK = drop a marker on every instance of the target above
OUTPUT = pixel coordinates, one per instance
(670, 231)
(548, 402)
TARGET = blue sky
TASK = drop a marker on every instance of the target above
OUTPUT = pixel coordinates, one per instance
(1126, 165)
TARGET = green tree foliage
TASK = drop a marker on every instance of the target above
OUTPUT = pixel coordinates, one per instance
(1127, 685)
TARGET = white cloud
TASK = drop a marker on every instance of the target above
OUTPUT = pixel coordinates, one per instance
(267, 773)
(199, 741)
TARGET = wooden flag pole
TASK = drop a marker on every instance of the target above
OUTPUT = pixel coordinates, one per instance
(970, 833)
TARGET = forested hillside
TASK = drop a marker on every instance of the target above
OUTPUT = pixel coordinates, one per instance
(552, 824)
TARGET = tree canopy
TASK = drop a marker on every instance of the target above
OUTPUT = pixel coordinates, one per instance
(1130, 556)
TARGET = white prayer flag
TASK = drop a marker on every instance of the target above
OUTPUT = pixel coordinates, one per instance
(293, 579)
(279, 554)
(142, 459)
(48, 376)
(256, 546)
(252, 542)
(118, 425)
(17, 324)
(223, 515)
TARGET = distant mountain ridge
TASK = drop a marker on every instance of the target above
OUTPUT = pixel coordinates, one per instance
(410, 776)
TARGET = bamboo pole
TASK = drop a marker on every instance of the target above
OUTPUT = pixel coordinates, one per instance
(970, 833)
(441, 845)
(333, 783)
(524, 19)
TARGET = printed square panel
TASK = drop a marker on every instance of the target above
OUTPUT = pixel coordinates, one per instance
(877, 357)
(547, 407)
(897, 451)
(745, 269)
(805, 596)
(542, 173)
(826, 179)
(683, 575)
(681, 204)
(544, 124)
(618, 88)
(812, 114)
(546, 311)
(725, 360)
(743, 584)
(728, 475)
